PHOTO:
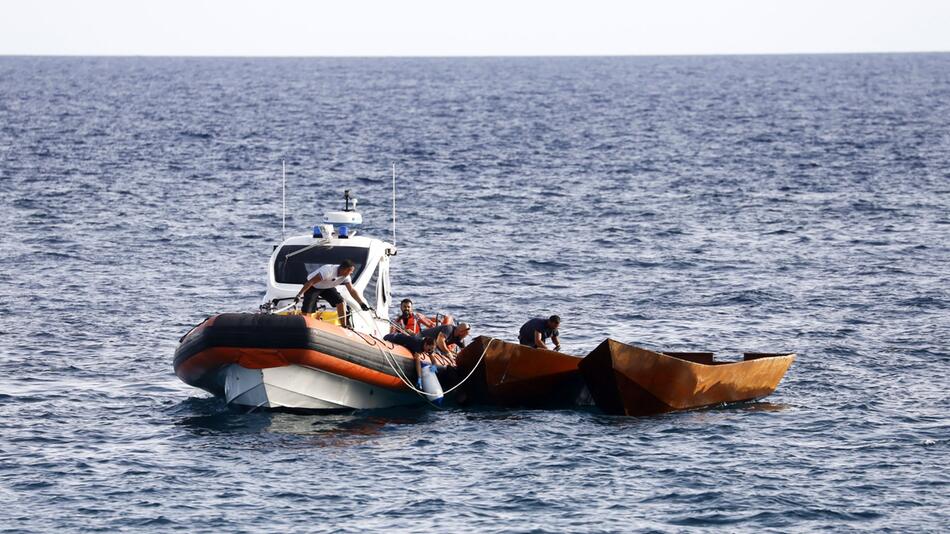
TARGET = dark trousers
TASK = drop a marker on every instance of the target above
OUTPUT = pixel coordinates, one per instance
(413, 343)
(313, 295)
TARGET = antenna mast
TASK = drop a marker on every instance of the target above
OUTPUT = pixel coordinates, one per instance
(283, 196)
(394, 204)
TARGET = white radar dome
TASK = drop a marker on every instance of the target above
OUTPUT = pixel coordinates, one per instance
(343, 217)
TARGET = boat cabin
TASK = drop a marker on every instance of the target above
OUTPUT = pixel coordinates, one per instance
(330, 243)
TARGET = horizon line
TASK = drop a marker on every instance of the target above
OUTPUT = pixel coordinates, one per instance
(468, 56)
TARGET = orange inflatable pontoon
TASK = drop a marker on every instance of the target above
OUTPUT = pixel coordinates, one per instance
(213, 355)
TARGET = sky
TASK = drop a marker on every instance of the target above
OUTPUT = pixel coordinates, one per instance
(469, 28)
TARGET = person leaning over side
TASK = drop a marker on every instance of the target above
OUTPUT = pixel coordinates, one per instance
(446, 335)
(322, 283)
(534, 332)
(420, 347)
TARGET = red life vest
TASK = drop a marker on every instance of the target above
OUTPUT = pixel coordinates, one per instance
(410, 323)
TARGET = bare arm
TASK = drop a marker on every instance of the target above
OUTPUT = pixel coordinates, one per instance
(309, 283)
(538, 342)
(353, 293)
(424, 321)
(440, 343)
(556, 341)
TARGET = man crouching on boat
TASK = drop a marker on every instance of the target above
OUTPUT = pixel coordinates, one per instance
(446, 335)
(534, 332)
(322, 283)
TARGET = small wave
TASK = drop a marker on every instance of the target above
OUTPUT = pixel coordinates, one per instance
(747, 296)
(195, 135)
(548, 265)
(640, 264)
(683, 497)
(925, 303)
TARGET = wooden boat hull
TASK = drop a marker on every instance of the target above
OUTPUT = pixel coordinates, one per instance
(516, 375)
(629, 380)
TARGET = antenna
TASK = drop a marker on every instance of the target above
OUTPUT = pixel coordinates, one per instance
(394, 204)
(283, 195)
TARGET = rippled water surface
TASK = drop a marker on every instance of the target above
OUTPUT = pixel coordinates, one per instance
(727, 204)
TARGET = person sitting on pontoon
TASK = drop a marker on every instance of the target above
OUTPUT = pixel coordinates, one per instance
(411, 321)
(534, 332)
(322, 283)
(446, 335)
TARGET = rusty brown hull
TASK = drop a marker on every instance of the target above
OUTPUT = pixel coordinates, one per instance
(629, 380)
(515, 375)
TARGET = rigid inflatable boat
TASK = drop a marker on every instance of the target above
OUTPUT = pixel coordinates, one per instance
(509, 374)
(282, 359)
(629, 380)
(294, 362)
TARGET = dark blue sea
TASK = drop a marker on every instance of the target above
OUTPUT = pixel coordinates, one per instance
(728, 204)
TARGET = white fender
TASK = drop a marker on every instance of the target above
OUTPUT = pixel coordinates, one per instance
(430, 383)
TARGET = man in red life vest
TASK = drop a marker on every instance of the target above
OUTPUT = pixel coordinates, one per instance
(411, 321)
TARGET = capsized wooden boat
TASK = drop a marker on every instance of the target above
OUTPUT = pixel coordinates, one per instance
(629, 380)
(516, 375)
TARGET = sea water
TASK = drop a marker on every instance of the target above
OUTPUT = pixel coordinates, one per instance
(727, 204)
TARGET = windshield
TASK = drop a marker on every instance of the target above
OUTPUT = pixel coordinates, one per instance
(295, 269)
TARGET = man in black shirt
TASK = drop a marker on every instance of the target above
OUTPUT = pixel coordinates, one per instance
(446, 335)
(535, 331)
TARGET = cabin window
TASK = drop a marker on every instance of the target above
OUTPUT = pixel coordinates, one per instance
(294, 270)
(370, 292)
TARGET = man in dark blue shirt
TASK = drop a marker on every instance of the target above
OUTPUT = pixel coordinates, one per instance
(446, 335)
(534, 332)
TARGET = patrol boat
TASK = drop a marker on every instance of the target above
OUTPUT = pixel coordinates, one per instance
(280, 358)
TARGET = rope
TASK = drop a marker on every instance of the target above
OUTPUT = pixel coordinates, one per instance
(450, 358)
(379, 344)
(390, 358)
(396, 325)
(192, 329)
(399, 373)
(287, 307)
(470, 373)
(293, 305)
(391, 361)
(375, 340)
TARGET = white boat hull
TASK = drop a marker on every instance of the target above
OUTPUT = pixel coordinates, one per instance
(306, 388)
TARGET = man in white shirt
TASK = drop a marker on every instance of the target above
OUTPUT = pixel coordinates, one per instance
(321, 284)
